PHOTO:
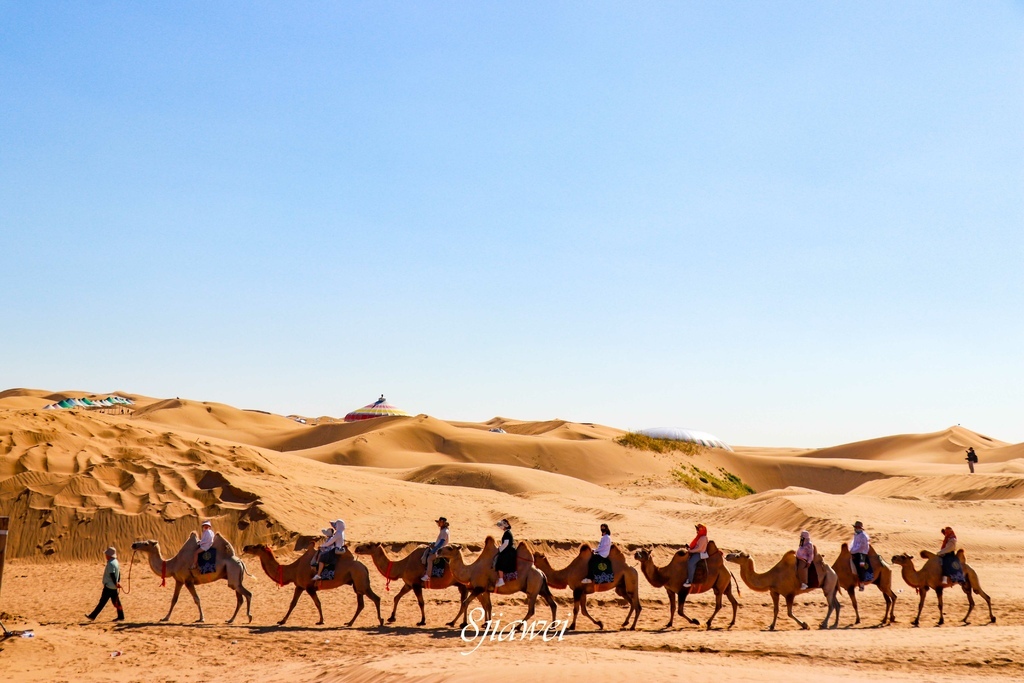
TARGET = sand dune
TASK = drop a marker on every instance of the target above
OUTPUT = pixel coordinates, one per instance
(75, 481)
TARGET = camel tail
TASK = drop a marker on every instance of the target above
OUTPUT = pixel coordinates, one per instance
(245, 569)
(738, 591)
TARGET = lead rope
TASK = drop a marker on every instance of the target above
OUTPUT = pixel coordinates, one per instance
(387, 584)
(280, 575)
(130, 565)
(163, 573)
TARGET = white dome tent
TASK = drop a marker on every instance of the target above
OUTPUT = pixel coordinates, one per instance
(688, 435)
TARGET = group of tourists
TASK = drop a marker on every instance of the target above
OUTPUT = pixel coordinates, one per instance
(333, 545)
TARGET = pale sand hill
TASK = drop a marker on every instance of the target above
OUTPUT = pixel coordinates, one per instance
(75, 481)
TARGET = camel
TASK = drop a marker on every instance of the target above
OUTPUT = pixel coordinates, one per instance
(672, 576)
(850, 581)
(930, 576)
(348, 571)
(229, 567)
(410, 570)
(481, 579)
(626, 583)
(781, 580)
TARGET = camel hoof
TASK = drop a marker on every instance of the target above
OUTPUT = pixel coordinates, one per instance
(391, 620)
(165, 619)
(993, 620)
(321, 623)
(914, 623)
(600, 625)
(421, 623)
(694, 622)
(804, 627)
(281, 623)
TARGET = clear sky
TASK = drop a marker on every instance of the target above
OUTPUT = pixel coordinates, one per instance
(784, 223)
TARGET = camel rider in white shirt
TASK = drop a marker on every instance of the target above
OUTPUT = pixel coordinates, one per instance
(443, 536)
(335, 543)
(205, 542)
(604, 547)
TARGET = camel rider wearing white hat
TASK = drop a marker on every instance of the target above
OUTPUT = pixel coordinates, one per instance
(859, 547)
(443, 537)
(336, 544)
(205, 542)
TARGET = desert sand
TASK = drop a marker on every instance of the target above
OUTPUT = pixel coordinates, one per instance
(75, 481)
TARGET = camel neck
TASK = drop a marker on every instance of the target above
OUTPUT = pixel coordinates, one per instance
(655, 574)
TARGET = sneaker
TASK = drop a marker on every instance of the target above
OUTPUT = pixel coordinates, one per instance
(316, 578)
(687, 585)
(586, 581)
(862, 588)
(501, 582)
(425, 577)
(803, 586)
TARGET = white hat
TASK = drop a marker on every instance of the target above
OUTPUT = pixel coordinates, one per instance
(206, 522)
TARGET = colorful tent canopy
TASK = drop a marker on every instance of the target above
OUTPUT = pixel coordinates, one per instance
(89, 403)
(379, 408)
(690, 435)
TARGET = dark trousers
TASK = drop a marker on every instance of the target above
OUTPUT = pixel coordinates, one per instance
(111, 595)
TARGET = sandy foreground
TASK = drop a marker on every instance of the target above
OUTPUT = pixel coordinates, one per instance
(78, 481)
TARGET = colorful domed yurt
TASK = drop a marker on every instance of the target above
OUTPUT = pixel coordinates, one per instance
(689, 435)
(379, 408)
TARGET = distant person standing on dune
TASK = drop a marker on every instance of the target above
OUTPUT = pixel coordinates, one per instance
(972, 458)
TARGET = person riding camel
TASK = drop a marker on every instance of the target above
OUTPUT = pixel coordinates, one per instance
(443, 537)
(951, 570)
(804, 558)
(335, 544)
(859, 547)
(698, 549)
(205, 542)
(505, 561)
(604, 547)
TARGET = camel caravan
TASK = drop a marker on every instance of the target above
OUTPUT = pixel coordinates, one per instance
(507, 568)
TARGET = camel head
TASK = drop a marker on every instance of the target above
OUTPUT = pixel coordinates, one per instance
(257, 549)
(642, 554)
(902, 559)
(737, 557)
(146, 546)
(366, 548)
(450, 551)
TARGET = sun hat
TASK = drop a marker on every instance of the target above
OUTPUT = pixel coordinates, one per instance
(858, 525)
(206, 522)
(805, 534)
(110, 552)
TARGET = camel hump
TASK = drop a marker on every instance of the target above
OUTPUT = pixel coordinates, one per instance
(960, 555)
(585, 547)
(846, 548)
(223, 545)
(927, 554)
(712, 548)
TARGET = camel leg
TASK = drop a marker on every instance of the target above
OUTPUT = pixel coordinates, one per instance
(789, 611)
(311, 590)
(359, 608)
(922, 592)
(718, 608)
(295, 601)
(582, 600)
(174, 600)
(464, 606)
(892, 605)
(195, 596)
(621, 591)
(775, 610)
(376, 603)
(545, 593)
(988, 601)
(637, 607)
(852, 591)
(238, 604)
(418, 592)
(671, 608)
(938, 594)
(735, 604)
(531, 605)
(682, 606)
(394, 607)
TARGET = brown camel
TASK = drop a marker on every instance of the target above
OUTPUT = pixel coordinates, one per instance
(930, 576)
(782, 580)
(626, 583)
(712, 575)
(410, 570)
(850, 581)
(348, 571)
(229, 567)
(481, 579)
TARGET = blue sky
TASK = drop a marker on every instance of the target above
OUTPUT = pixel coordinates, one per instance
(781, 223)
